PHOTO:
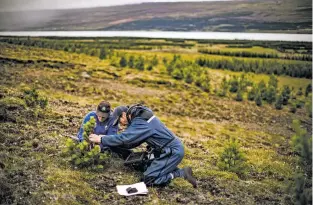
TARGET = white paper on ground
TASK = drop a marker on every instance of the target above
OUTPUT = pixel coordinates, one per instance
(141, 187)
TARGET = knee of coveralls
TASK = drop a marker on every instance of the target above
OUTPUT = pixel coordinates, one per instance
(160, 168)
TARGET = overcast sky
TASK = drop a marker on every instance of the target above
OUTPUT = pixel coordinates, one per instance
(16, 5)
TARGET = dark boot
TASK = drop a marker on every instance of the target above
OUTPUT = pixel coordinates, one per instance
(189, 177)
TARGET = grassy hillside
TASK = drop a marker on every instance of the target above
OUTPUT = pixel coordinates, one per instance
(285, 16)
(34, 169)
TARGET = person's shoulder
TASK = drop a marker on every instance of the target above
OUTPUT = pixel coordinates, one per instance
(91, 114)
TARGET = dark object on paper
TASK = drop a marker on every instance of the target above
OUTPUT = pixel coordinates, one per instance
(131, 190)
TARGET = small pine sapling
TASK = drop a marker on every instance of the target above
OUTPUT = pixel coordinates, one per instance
(232, 159)
(88, 130)
(85, 154)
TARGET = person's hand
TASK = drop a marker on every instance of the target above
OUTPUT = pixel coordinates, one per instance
(95, 138)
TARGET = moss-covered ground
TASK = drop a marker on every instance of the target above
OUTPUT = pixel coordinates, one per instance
(34, 170)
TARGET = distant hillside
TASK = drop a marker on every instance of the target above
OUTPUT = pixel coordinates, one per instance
(286, 16)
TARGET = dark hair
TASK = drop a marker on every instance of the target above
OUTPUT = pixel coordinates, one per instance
(134, 110)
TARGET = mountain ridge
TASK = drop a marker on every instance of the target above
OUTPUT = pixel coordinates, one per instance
(231, 16)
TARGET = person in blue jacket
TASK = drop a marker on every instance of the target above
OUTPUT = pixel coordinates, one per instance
(144, 126)
(104, 121)
(104, 126)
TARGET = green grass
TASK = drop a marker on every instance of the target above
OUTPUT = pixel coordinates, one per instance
(254, 49)
(32, 149)
(217, 76)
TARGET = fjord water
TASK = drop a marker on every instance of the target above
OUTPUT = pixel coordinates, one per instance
(167, 34)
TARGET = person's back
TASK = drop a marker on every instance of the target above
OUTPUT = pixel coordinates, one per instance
(162, 135)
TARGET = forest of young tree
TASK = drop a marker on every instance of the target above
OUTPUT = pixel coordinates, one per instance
(291, 65)
(234, 111)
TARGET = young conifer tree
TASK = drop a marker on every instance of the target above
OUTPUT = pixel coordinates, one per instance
(270, 94)
(308, 90)
(279, 102)
(123, 62)
(103, 53)
(252, 93)
(232, 159)
(89, 129)
(155, 61)
(239, 96)
(223, 88)
(286, 94)
(302, 146)
(258, 99)
(85, 154)
(131, 62)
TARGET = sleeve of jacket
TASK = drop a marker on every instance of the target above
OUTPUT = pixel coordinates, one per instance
(133, 136)
(81, 129)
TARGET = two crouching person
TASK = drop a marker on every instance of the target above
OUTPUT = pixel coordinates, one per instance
(105, 124)
(144, 126)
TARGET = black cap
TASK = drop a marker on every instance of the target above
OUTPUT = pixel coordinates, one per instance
(118, 112)
(104, 107)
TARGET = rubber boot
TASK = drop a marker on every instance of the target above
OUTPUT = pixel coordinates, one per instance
(189, 176)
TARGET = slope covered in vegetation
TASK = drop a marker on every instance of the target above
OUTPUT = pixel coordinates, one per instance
(45, 92)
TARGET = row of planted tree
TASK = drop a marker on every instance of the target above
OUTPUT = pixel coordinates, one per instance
(177, 69)
(269, 66)
(240, 86)
(301, 69)
(260, 93)
(192, 70)
(265, 92)
(89, 46)
(281, 46)
(249, 54)
(196, 73)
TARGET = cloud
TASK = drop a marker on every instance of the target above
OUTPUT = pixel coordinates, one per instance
(17, 5)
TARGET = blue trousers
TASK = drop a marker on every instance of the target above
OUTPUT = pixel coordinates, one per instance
(162, 169)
